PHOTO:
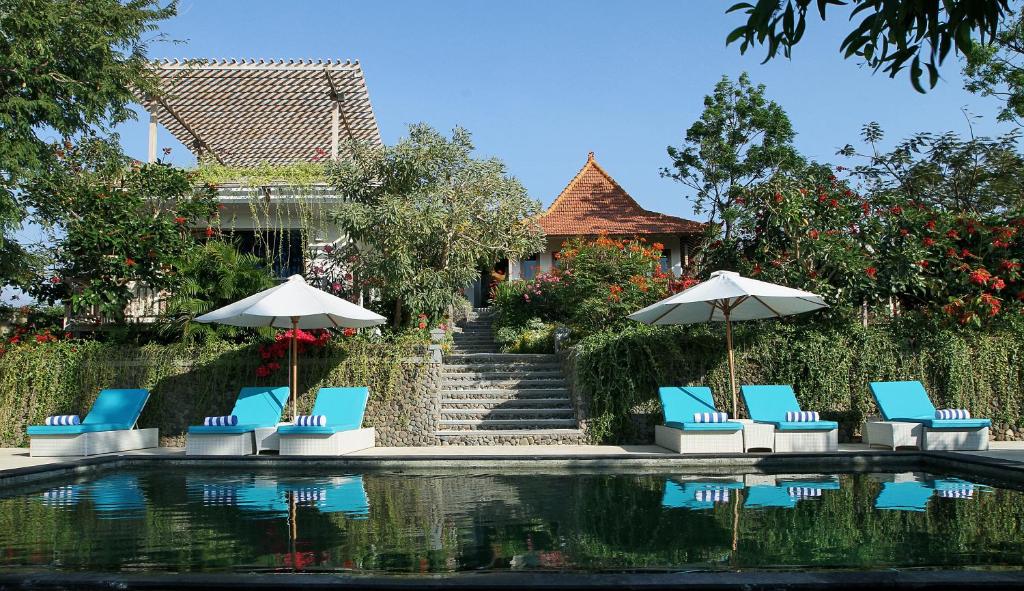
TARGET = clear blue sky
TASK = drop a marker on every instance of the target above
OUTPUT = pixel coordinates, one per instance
(541, 83)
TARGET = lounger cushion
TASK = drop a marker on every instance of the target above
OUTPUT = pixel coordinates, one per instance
(74, 429)
(803, 425)
(727, 426)
(314, 430)
(225, 429)
(953, 423)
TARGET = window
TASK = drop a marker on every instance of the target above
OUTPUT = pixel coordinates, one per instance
(280, 249)
(666, 260)
(529, 266)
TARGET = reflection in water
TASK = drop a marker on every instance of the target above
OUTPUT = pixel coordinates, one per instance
(192, 520)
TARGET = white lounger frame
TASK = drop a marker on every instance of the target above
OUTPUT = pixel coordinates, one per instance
(893, 434)
(332, 444)
(90, 444)
(219, 444)
(797, 441)
(699, 442)
(954, 439)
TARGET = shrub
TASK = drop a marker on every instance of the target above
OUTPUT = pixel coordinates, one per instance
(535, 336)
(828, 364)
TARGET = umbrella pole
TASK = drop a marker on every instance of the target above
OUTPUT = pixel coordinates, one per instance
(732, 363)
(295, 365)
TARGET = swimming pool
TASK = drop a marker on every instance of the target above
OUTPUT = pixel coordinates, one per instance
(198, 520)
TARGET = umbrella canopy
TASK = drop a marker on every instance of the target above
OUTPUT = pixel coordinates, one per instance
(294, 304)
(727, 296)
(295, 298)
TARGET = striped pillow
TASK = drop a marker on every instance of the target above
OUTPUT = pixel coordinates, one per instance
(225, 421)
(801, 416)
(953, 413)
(712, 495)
(63, 420)
(311, 420)
(710, 417)
(965, 491)
(803, 492)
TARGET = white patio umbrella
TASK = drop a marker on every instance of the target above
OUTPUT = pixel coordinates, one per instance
(294, 304)
(727, 296)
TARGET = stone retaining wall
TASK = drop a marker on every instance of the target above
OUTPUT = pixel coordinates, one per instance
(412, 414)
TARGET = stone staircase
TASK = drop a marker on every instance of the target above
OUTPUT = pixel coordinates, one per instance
(491, 398)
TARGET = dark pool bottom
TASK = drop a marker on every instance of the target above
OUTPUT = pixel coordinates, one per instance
(194, 520)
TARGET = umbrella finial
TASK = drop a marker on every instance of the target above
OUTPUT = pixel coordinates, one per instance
(297, 277)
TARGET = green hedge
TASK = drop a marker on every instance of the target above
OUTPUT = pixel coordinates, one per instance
(187, 383)
(829, 366)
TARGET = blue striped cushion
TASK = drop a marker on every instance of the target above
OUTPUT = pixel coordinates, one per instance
(63, 420)
(710, 417)
(311, 420)
(965, 491)
(225, 421)
(712, 495)
(803, 492)
(952, 413)
(801, 416)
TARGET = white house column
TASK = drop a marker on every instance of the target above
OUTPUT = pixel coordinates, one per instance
(335, 117)
(676, 257)
(152, 137)
(514, 270)
(546, 260)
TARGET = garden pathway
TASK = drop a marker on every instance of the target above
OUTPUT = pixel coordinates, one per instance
(492, 398)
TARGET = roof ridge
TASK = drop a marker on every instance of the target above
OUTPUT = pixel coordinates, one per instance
(251, 63)
(591, 162)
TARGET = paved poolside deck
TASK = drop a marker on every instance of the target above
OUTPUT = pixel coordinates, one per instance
(17, 459)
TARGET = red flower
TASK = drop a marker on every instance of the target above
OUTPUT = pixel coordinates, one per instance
(896, 210)
(54, 279)
(756, 270)
(904, 231)
(328, 249)
(923, 264)
(209, 231)
(952, 235)
(998, 284)
(813, 234)
(180, 220)
(864, 207)
(980, 276)
(422, 325)
(928, 241)
(871, 272)
(349, 332)
(778, 197)
(833, 203)
(953, 253)
(930, 224)
(1000, 243)
(129, 262)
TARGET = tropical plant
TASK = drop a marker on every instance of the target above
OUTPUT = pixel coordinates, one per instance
(741, 138)
(890, 35)
(113, 225)
(997, 69)
(209, 277)
(424, 216)
(65, 68)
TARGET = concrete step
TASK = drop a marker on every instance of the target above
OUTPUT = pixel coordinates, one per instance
(512, 384)
(512, 437)
(470, 374)
(502, 414)
(499, 358)
(505, 394)
(501, 368)
(506, 424)
(504, 403)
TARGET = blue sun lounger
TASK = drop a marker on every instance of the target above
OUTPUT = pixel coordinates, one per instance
(913, 495)
(343, 433)
(786, 493)
(682, 434)
(256, 408)
(908, 402)
(769, 404)
(698, 495)
(109, 427)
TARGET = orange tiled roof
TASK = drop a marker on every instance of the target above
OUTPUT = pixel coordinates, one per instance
(593, 203)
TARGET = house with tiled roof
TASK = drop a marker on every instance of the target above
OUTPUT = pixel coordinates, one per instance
(593, 203)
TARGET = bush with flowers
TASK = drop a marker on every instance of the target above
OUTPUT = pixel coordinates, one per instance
(595, 283)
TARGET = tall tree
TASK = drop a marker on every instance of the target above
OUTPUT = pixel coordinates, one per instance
(66, 66)
(979, 175)
(890, 35)
(741, 139)
(424, 215)
(997, 69)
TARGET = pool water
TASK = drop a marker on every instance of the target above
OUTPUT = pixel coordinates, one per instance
(184, 519)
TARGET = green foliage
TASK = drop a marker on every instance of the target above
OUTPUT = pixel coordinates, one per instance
(829, 366)
(741, 138)
(65, 67)
(997, 69)
(890, 36)
(594, 286)
(424, 216)
(113, 225)
(187, 382)
(296, 174)
(533, 336)
(979, 175)
(209, 277)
